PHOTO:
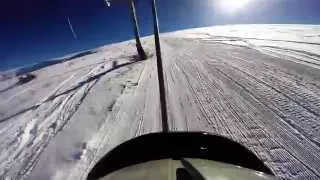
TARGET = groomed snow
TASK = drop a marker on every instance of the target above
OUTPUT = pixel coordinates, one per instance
(256, 84)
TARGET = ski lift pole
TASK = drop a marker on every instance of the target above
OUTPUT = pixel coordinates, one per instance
(135, 25)
(162, 90)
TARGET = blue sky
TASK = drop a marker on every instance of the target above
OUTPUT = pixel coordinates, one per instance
(36, 30)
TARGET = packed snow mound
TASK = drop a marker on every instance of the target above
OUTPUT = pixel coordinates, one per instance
(256, 84)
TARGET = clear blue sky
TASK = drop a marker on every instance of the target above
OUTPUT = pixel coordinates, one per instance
(36, 30)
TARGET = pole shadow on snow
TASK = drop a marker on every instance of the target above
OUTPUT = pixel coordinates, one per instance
(133, 59)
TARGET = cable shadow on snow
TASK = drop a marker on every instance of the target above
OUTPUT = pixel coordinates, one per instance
(10, 87)
(133, 60)
(90, 79)
(21, 81)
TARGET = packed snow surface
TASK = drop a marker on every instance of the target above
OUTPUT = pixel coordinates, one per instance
(256, 84)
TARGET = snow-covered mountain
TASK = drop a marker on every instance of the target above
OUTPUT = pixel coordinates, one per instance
(256, 84)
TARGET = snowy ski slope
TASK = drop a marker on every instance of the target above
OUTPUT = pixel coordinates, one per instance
(257, 84)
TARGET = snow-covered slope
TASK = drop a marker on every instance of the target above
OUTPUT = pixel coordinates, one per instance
(257, 84)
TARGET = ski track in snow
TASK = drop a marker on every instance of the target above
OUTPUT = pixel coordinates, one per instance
(47, 119)
(34, 127)
(257, 91)
(230, 85)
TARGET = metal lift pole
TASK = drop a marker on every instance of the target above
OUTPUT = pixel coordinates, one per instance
(162, 90)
